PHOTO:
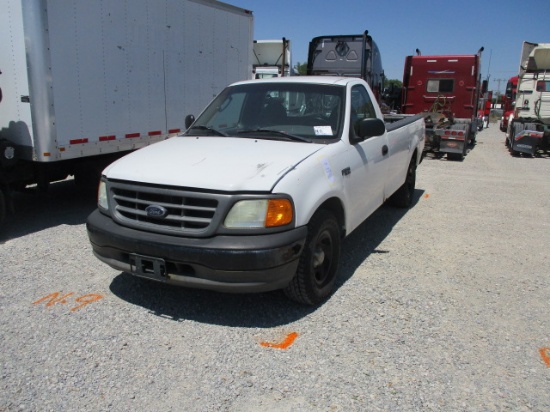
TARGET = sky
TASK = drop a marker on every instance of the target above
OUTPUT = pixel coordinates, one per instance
(399, 27)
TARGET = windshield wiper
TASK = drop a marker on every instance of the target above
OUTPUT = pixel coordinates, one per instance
(276, 132)
(208, 129)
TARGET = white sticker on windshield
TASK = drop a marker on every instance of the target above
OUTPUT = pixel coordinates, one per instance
(322, 130)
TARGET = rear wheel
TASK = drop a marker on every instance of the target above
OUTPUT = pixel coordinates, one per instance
(318, 266)
(455, 156)
(404, 196)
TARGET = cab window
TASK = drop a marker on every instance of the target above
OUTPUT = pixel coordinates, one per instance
(440, 85)
(361, 107)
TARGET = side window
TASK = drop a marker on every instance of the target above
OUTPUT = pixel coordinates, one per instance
(361, 106)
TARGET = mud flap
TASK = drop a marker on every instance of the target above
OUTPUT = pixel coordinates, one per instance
(451, 145)
(527, 141)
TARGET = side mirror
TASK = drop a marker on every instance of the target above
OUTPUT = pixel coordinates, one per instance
(189, 119)
(368, 128)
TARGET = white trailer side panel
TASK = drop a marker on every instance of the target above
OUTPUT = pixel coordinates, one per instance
(123, 74)
(15, 115)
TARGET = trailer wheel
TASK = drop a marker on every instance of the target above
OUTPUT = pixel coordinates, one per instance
(403, 197)
(455, 156)
(318, 266)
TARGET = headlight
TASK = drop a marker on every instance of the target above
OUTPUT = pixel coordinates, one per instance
(259, 213)
(102, 201)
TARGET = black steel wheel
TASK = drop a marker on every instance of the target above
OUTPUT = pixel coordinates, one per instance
(318, 266)
(403, 197)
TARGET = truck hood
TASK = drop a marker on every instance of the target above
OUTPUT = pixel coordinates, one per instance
(215, 163)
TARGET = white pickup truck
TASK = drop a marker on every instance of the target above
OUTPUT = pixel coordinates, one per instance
(260, 190)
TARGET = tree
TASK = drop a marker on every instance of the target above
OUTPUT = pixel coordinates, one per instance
(393, 83)
(301, 68)
(392, 93)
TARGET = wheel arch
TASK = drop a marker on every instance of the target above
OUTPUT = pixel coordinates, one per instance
(334, 205)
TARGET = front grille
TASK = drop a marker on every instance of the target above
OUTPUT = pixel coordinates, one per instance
(187, 212)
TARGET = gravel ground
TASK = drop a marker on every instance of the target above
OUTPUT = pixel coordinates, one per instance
(442, 307)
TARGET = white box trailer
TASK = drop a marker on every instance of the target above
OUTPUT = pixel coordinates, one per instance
(84, 81)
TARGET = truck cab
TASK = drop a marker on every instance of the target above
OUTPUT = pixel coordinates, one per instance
(508, 102)
(529, 127)
(448, 88)
(348, 56)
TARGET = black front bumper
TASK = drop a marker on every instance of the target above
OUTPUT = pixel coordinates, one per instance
(222, 263)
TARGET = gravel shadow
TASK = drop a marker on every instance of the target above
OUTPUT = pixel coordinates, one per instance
(62, 204)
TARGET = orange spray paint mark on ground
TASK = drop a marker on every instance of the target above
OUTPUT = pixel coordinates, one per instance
(86, 299)
(55, 299)
(289, 340)
(545, 355)
(427, 195)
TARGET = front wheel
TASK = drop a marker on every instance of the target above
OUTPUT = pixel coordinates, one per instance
(318, 266)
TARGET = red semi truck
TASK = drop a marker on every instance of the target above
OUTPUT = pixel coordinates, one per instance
(447, 88)
(508, 102)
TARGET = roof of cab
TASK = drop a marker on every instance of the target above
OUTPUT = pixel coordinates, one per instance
(334, 80)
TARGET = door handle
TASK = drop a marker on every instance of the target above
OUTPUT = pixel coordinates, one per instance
(385, 150)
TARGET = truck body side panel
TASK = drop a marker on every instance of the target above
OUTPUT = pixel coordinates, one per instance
(119, 75)
(15, 113)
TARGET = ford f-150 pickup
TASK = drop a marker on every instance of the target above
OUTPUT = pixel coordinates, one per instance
(261, 189)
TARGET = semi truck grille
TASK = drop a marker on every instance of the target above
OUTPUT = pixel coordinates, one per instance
(164, 210)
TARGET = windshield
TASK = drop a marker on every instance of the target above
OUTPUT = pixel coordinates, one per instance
(284, 111)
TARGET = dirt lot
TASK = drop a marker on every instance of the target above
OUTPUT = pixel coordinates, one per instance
(442, 307)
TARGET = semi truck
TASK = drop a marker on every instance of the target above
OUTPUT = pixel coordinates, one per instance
(348, 55)
(272, 58)
(529, 126)
(84, 82)
(261, 189)
(508, 102)
(447, 88)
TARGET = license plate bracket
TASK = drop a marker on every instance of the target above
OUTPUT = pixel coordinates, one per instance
(148, 267)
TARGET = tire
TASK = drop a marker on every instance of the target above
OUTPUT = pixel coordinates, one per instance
(318, 266)
(403, 197)
(455, 156)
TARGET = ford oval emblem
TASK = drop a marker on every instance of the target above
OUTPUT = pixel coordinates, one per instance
(156, 211)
